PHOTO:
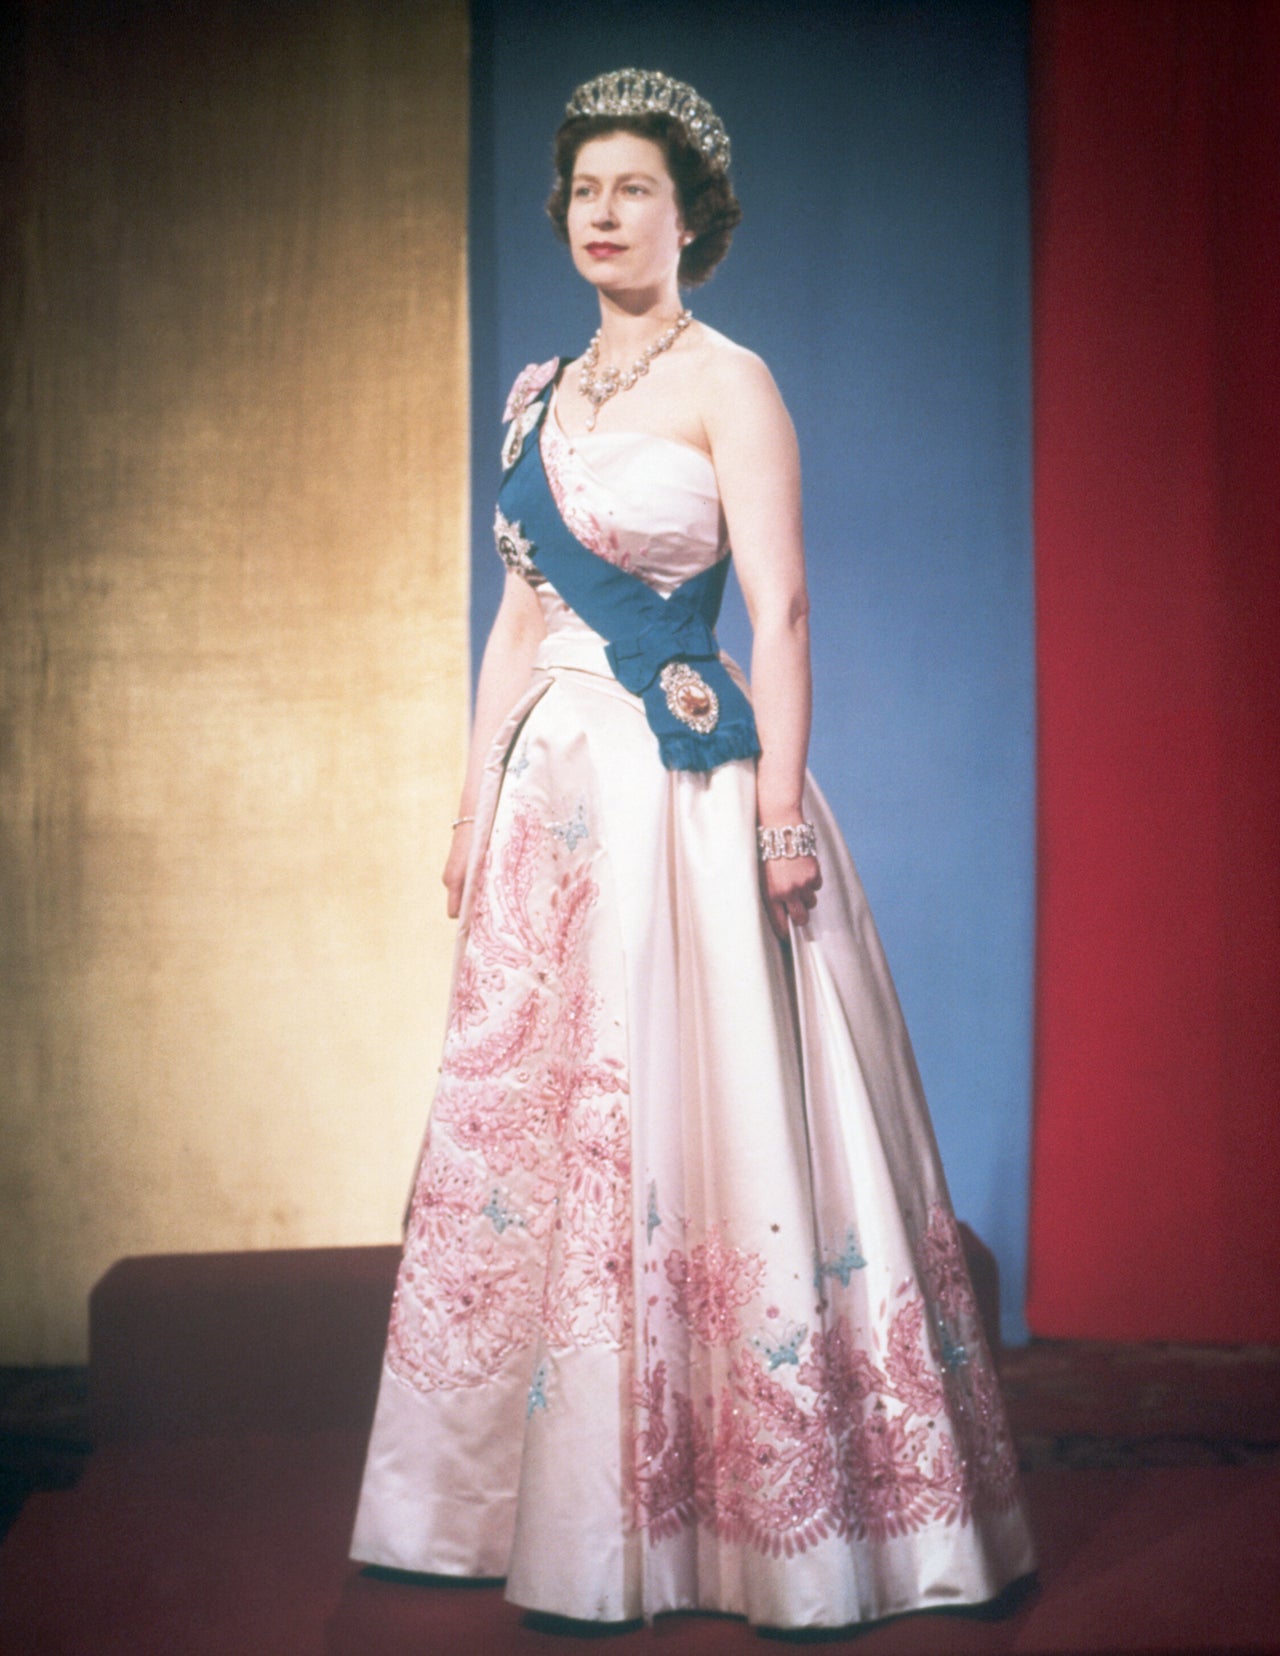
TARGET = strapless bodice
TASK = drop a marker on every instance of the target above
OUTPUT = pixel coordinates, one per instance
(649, 504)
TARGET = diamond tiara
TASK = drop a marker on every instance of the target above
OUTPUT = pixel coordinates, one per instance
(650, 92)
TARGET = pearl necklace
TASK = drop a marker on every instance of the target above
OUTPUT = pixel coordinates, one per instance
(598, 387)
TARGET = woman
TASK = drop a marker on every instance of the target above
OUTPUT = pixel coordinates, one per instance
(682, 1319)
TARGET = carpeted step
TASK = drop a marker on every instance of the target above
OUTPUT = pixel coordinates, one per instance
(281, 1341)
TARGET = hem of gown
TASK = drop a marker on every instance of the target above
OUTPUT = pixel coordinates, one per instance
(389, 1558)
(841, 1590)
(922, 1605)
(462, 1578)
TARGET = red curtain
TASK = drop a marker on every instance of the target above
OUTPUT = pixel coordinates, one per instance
(1156, 1172)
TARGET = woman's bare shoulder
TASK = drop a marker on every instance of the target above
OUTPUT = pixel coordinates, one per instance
(734, 386)
(733, 366)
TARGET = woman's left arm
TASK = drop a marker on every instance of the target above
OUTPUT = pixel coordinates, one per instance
(757, 461)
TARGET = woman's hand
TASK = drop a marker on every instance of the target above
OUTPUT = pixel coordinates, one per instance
(455, 870)
(791, 886)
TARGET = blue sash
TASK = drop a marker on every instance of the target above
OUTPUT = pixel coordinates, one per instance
(663, 650)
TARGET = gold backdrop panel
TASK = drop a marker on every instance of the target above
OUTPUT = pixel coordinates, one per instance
(233, 630)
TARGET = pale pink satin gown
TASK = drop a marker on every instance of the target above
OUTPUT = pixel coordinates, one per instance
(683, 1319)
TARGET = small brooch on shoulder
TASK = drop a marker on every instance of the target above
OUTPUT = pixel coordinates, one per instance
(517, 431)
(529, 381)
(689, 697)
(522, 411)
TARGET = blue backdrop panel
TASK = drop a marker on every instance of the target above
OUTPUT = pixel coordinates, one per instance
(882, 269)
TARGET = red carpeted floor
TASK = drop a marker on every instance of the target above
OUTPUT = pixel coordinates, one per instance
(230, 1395)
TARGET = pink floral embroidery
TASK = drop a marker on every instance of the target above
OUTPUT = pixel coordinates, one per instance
(458, 1321)
(520, 1222)
(502, 932)
(665, 1457)
(588, 1300)
(943, 1267)
(712, 1284)
(528, 382)
(500, 1127)
(915, 1382)
(836, 1443)
(559, 461)
(766, 1476)
(991, 1462)
(969, 1377)
(569, 905)
(448, 1194)
(840, 1373)
(502, 1048)
(891, 1482)
(471, 990)
(597, 1156)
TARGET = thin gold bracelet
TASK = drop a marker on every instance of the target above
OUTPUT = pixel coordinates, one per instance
(458, 821)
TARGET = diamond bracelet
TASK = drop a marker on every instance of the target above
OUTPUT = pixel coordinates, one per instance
(797, 840)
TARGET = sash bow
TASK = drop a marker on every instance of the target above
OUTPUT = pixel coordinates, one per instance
(637, 661)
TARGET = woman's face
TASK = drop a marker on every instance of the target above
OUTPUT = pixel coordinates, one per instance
(624, 223)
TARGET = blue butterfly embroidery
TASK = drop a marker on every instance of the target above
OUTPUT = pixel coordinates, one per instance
(652, 1218)
(785, 1349)
(496, 1211)
(573, 830)
(537, 1392)
(843, 1265)
(954, 1355)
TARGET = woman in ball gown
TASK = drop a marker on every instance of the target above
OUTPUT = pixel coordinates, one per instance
(682, 1319)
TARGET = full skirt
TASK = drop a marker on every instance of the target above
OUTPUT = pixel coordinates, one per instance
(683, 1319)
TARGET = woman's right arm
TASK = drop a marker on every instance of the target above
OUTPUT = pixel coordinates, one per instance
(517, 631)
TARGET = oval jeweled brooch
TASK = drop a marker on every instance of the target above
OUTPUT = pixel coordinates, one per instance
(689, 696)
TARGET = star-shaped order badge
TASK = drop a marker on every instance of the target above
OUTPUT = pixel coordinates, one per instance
(514, 546)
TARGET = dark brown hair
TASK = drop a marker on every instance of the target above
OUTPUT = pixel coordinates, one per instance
(709, 209)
